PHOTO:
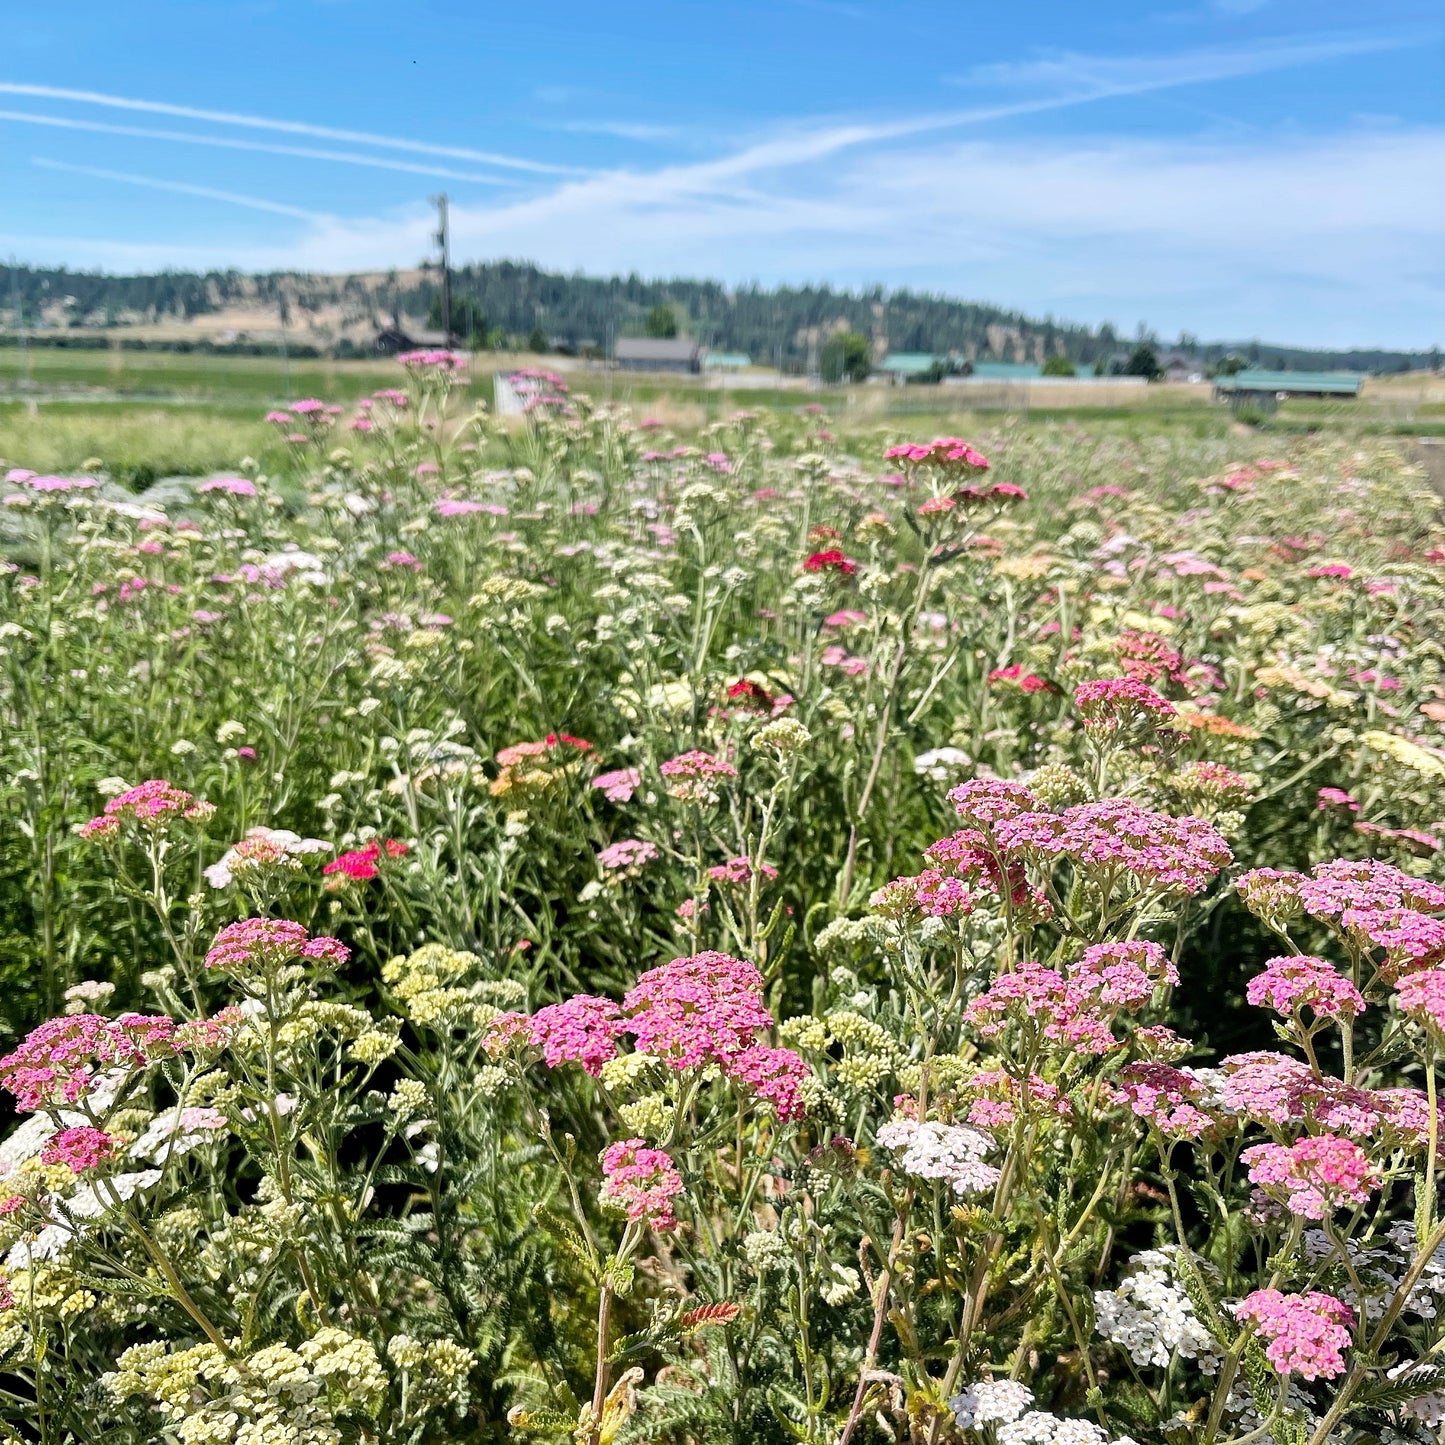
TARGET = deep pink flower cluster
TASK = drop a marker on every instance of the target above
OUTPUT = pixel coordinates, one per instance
(580, 1030)
(1303, 981)
(983, 802)
(831, 559)
(996, 1098)
(361, 864)
(641, 1181)
(1305, 1334)
(930, 894)
(1017, 676)
(444, 362)
(1315, 1175)
(1275, 1089)
(1120, 704)
(739, 871)
(1409, 939)
(154, 803)
(1061, 1009)
(1127, 972)
(706, 1010)
(1336, 798)
(773, 1074)
(695, 777)
(1147, 657)
(698, 1010)
(257, 945)
(1333, 887)
(81, 1148)
(1166, 1097)
(235, 486)
(952, 453)
(1178, 855)
(58, 1061)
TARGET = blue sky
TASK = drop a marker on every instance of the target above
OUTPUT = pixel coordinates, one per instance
(1234, 168)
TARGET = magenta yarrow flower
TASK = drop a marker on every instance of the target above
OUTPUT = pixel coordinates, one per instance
(697, 1010)
(641, 1181)
(983, 802)
(154, 803)
(1303, 981)
(775, 1075)
(235, 486)
(1315, 1175)
(1422, 996)
(1043, 1001)
(1336, 798)
(930, 894)
(1166, 1097)
(581, 1030)
(79, 1149)
(260, 945)
(61, 1060)
(1119, 704)
(1178, 855)
(1127, 973)
(739, 871)
(1304, 1334)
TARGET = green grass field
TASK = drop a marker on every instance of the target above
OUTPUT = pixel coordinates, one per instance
(145, 414)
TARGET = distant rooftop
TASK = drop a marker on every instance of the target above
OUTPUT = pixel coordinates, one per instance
(651, 348)
(727, 360)
(910, 363)
(1295, 383)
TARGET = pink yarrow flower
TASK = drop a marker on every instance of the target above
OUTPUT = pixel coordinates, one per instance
(1294, 982)
(154, 804)
(79, 1149)
(253, 946)
(641, 1181)
(618, 786)
(696, 776)
(1304, 1334)
(60, 1060)
(583, 1029)
(1315, 1175)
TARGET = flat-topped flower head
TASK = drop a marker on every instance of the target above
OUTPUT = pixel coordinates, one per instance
(1315, 1175)
(1111, 705)
(950, 454)
(930, 894)
(1042, 1000)
(983, 802)
(1103, 839)
(698, 1010)
(773, 1075)
(64, 1059)
(627, 853)
(433, 360)
(640, 1181)
(361, 865)
(1366, 883)
(619, 785)
(580, 1030)
(256, 946)
(1304, 1334)
(1422, 996)
(154, 804)
(1294, 982)
(1124, 973)
(951, 1153)
(1168, 1098)
(696, 776)
(831, 559)
(80, 1149)
(1409, 939)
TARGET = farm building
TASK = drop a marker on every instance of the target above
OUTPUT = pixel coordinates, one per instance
(1271, 387)
(1176, 366)
(646, 353)
(901, 366)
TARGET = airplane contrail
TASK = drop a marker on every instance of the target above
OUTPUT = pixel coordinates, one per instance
(290, 127)
(59, 122)
(255, 203)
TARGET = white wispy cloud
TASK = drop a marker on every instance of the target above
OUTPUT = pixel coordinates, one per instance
(353, 158)
(289, 127)
(623, 129)
(209, 193)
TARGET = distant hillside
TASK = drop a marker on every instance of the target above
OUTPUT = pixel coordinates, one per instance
(507, 301)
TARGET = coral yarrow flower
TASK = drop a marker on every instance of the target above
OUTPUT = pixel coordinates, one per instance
(1304, 1334)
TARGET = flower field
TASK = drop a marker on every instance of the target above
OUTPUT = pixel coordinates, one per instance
(561, 931)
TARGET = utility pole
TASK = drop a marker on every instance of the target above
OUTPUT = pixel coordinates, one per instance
(443, 240)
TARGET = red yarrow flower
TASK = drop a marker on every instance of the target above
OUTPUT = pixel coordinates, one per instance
(831, 560)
